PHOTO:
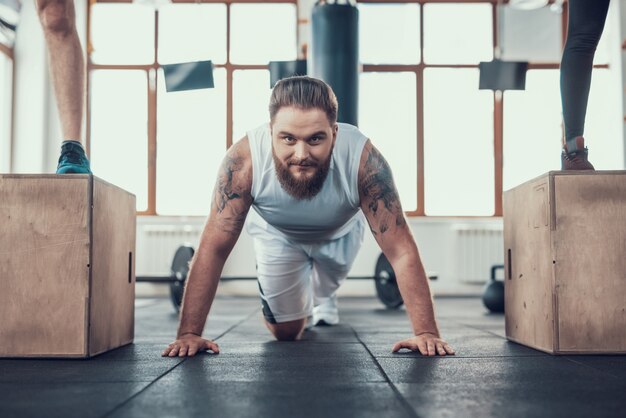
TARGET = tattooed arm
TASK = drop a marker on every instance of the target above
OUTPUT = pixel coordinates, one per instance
(230, 205)
(381, 205)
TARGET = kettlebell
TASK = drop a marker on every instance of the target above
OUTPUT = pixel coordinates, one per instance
(493, 295)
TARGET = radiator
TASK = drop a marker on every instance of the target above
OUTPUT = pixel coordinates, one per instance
(156, 245)
(476, 250)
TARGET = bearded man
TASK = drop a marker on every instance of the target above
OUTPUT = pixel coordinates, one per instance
(312, 184)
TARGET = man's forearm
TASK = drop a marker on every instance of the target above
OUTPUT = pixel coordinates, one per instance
(415, 291)
(200, 290)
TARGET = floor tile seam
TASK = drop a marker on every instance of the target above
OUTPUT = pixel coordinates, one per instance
(304, 382)
(256, 355)
(464, 357)
(286, 357)
(171, 369)
(394, 389)
(126, 401)
(480, 329)
(80, 382)
(591, 367)
(271, 340)
(241, 321)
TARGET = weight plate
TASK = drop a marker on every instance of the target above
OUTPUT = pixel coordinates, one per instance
(386, 285)
(180, 269)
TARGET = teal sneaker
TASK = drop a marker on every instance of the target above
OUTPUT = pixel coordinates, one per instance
(73, 159)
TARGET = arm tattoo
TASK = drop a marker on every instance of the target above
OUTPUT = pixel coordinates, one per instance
(378, 188)
(224, 191)
(233, 224)
(231, 216)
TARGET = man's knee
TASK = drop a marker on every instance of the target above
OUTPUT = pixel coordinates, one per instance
(56, 16)
(287, 331)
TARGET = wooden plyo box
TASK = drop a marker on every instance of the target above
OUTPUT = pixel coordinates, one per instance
(67, 246)
(565, 262)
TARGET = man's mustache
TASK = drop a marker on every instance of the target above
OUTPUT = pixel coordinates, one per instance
(302, 163)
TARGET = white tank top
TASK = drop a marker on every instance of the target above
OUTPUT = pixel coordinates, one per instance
(332, 213)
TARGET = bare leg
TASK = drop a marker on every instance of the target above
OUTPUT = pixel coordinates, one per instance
(287, 331)
(67, 65)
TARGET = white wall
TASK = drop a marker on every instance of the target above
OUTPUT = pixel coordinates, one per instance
(6, 70)
(37, 132)
(304, 25)
(618, 14)
(607, 144)
(436, 239)
(31, 94)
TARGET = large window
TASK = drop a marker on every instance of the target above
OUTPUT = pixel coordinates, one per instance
(458, 143)
(420, 104)
(538, 141)
(454, 148)
(167, 147)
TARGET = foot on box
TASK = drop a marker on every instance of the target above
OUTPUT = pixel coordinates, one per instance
(574, 156)
(73, 159)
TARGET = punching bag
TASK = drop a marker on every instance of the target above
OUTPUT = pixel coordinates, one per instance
(335, 54)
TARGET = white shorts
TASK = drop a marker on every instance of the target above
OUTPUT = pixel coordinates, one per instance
(294, 277)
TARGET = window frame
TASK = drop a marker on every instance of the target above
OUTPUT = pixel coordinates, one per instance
(417, 69)
(6, 50)
(151, 71)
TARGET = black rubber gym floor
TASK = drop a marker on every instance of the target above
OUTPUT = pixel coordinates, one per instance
(342, 371)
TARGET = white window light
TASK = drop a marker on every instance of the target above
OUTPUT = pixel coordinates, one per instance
(528, 4)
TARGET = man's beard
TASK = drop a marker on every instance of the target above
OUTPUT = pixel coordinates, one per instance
(302, 188)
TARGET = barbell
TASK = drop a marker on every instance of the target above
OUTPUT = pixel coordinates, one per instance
(384, 279)
(177, 277)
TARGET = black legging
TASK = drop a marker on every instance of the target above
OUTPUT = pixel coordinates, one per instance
(585, 24)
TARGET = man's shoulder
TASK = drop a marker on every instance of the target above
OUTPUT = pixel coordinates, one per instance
(349, 138)
(239, 158)
(350, 132)
(347, 128)
(259, 131)
(240, 149)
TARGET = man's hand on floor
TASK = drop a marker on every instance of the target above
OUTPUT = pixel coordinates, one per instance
(189, 345)
(427, 344)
